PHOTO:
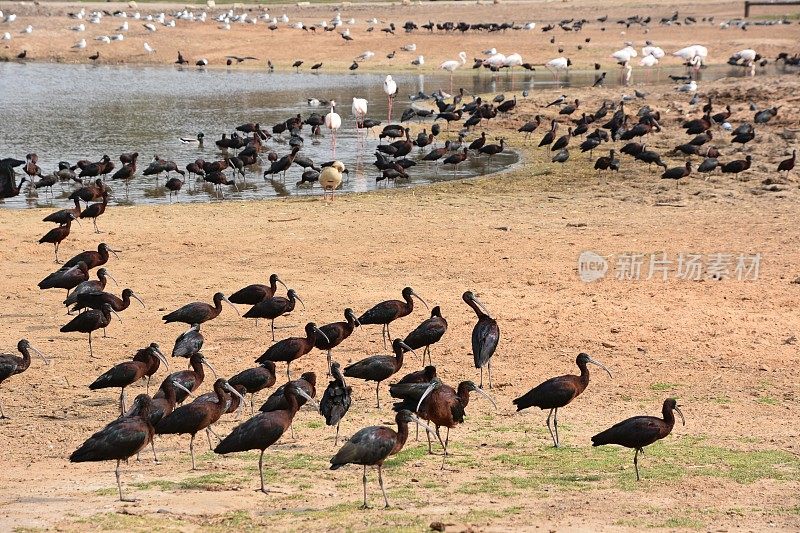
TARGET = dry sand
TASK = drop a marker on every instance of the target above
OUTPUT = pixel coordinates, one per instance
(727, 349)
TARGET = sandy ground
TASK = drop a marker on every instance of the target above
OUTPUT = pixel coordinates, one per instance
(726, 349)
(52, 38)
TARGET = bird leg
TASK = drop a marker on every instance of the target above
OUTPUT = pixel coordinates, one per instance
(153, 446)
(90, 345)
(261, 471)
(550, 430)
(489, 368)
(272, 328)
(364, 481)
(208, 436)
(2, 414)
(377, 393)
(252, 397)
(56, 245)
(481, 385)
(555, 426)
(291, 430)
(148, 385)
(288, 375)
(329, 363)
(336, 439)
(96, 230)
(104, 333)
(383, 335)
(122, 397)
(213, 433)
(636, 462)
(119, 486)
(388, 335)
(446, 440)
(191, 451)
(380, 480)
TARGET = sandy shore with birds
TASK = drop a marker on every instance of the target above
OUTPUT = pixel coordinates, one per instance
(726, 348)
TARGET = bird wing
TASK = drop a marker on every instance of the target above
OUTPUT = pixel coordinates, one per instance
(118, 440)
(8, 366)
(335, 402)
(257, 433)
(362, 369)
(368, 446)
(185, 419)
(485, 337)
(635, 432)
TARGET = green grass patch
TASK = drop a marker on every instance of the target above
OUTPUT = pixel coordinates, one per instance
(213, 481)
(767, 400)
(136, 523)
(663, 386)
(680, 522)
(108, 491)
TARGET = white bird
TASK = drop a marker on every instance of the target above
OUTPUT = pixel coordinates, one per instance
(495, 61)
(653, 50)
(390, 88)
(513, 60)
(688, 87)
(333, 122)
(79, 27)
(648, 61)
(149, 49)
(451, 65)
(103, 39)
(11, 18)
(489, 52)
(409, 47)
(123, 26)
(694, 55)
(118, 37)
(149, 27)
(80, 44)
(313, 102)
(28, 29)
(359, 109)
(419, 61)
(284, 18)
(365, 56)
(746, 56)
(6, 36)
(530, 25)
(331, 178)
(558, 64)
(624, 55)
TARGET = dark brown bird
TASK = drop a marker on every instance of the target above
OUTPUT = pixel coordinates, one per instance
(292, 348)
(429, 332)
(640, 431)
(91, 321)
(676, 173)
(89, 286)
(274, 307)
(56, 235)
(87, 193)
(64, 216)
(485, 335)
(95, 300)
(255, 379)
(11, 365)
(336, 400)
(95, 210)
(93, 259)
(121, 439)
(379, 367)
(144, 364)
(198, 312)
(737, 166)
(255, 293)
(66, 278)
(787, 164)
(388, 311)
(191, 379)
(335, 333)
(558, 392)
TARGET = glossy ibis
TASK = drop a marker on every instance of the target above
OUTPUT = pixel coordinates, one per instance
(276, 401)
(386, 312)
(66, 277)
(676, 173)
(640, 431)
(427, 333)
(336, 332)
(62, 216)
(174, 185)
(87, 193)
(379, 367)
(89, 286)
(56, 235)
(274, 307)
(558, 392)
(255, 293)
(121, 439)
(372, 445)
(737, 166)
(456, 159)
(95, 210)
(91, 321)
(93, 259)
(788, 164)
(164, 403)
(191, 379)
(11, 365)
(95, 300)
(424, 377)
(145, 364)
(336, 400)
(198, 415)
(265, 428)
(198, 312)
(485, 335)
(188, 343)
(255, 379)
(292, 348)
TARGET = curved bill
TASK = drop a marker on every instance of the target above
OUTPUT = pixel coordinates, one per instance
(181, 387)
(301, 301)
(231, 304)
(407, 348)
(40, 354)
(418, 297)
(433, 385)
(679, 412)
(112, 278)
(282, 283)
(114, 252)
(138, 300)
(308, 398)
(427, 428)
(485, 395)
(598, 363)
(210, 366)
(119, 317)
(480, 304)
(161, 357)
(230, 389)
(322, 334)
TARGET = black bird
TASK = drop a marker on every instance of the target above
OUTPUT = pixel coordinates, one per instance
(252, 294)
(274, 307)
(144, 364)
(388, 311)
(379, 367)
(485, 335)
(335, 333)
(93, 259)
(188, 343)
(11, 365)
(558, 392)
(66, 278)
(199, 312)
(640, 431)
(427, 333)
(191, 379)
(676, 173)
(336, 399)
(255, 379)
(121, 439)
(292, 348)
(90, 321)
(95, 300)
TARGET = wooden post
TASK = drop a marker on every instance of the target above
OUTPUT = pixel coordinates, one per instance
(746, 9)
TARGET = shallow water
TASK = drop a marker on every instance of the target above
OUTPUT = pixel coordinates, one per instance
(72, 112)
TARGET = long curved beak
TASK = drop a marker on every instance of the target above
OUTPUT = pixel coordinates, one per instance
(210, 366)
(114, 252)
(161, 357)
(40, 354)
(407, 348)
(308, 398)
(138, 300)
(234, 307)
(230, 389)
(357, 322)
(181, 387)
(598, 363)
(322, 334)
(427, 428)
(480, 304)
(485, 395)
(679, 412)
(112, 278)
(301, 302)
(282, 283)
(417, 296)
(119, 317)
(425, 394)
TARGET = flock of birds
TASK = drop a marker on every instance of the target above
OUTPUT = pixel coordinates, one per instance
(421, 397)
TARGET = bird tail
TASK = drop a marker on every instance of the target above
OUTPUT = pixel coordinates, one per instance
(601, 438)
